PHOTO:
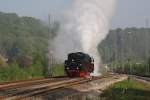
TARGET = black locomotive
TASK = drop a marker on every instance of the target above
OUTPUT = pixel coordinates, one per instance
(79, 65)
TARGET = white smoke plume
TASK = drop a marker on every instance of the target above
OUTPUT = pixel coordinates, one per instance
(85, 26)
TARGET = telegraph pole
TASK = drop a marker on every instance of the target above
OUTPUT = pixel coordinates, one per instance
(50, 57)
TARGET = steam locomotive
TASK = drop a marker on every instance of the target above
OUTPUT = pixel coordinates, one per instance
(79, 65)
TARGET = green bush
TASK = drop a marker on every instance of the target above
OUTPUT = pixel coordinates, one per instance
(127, 90)
(14, 72)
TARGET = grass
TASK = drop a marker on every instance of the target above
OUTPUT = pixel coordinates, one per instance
(128, 90)
(58, 70)
(14, 73)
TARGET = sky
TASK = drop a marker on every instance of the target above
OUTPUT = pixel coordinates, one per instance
(129, 13)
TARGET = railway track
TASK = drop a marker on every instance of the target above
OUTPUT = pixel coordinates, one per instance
(36, 81)
(142, 78)
(11, 88)
(31, 88)
(22, 90)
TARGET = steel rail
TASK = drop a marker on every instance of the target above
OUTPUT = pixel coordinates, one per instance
(28, 92)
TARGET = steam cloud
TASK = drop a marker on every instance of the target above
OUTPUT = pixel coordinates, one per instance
(85, 26)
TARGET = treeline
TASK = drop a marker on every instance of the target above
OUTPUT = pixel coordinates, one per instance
(127, 51)
(24, 44)
(124, 44)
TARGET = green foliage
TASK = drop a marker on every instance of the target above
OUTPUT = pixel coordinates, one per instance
(122, 44)
(13, 72)
(128, 90)
(24, 41)
(22, 35)
(131, 84)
